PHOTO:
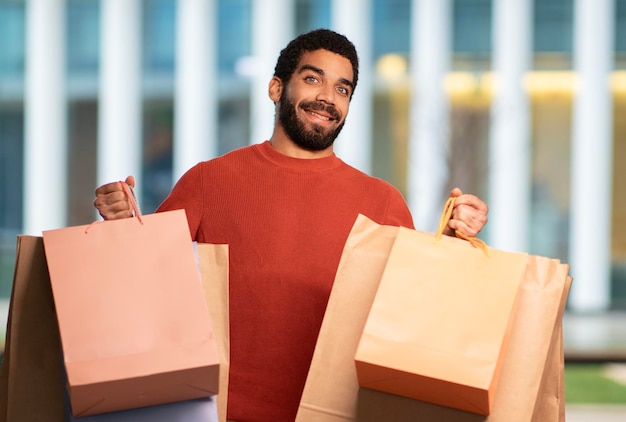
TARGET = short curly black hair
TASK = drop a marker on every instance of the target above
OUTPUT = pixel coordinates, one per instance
(318, 39)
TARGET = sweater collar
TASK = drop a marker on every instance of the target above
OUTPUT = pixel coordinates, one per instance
(308, 164)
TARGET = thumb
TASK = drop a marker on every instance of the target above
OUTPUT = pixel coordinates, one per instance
(456, 192)
(130, 180)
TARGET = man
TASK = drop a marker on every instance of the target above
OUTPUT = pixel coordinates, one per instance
(285, 207)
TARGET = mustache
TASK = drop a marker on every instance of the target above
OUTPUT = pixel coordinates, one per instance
(319, 106)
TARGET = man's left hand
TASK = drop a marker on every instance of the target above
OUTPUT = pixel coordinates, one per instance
(469, 214)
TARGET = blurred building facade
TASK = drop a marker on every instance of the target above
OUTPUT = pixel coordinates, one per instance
(518, 101)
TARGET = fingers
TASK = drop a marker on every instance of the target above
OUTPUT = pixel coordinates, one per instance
(468, 223)
(130, 180)
(456, 192)
(469, 215)
(112, 202)
(115, 186)
(109, 188)
(471, 201)
(115, 215)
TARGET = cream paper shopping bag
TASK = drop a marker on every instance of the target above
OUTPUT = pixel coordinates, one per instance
(440, 321)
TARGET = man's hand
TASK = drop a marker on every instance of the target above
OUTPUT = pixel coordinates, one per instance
(469, 215)
(112, 202)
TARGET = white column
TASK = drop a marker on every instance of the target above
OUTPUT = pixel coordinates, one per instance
(591, 165)
(273, 23)
(510, 144)
(45, 118)
(429, 132)
(120, 95)
(195, 115)
(354, 144)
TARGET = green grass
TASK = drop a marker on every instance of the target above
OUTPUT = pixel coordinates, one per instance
(588, 384)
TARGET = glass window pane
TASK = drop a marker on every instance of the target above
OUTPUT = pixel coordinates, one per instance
(472, 26)
(312, 14)
(82, 160)
(469, 142)
(553, 32)
(12, 136)
(234, 117)
(471, 35)
(391, 27)
(390, 134)
(620, 25)
(234, 34)
(620, 34)
(159, 36)
(553, 25)
(551, 120)
(157, 153)
(12, 39)
(234, 45)
(619, 201)
(11, 190)
(83, 36)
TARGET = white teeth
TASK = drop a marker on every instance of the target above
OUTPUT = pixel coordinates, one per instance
(320, 116)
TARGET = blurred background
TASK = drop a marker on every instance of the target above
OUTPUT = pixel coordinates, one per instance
(521, 102)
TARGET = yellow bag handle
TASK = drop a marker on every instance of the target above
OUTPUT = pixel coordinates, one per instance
(443, 222)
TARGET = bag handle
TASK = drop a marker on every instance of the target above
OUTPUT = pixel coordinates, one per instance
(132, 198)
(443, 222)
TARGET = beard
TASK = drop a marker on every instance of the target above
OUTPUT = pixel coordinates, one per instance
(314, 139)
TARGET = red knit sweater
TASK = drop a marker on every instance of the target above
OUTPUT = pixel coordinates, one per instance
(286, 221)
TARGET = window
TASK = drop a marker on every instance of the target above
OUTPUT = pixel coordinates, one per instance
(83, 37)
(553, 32)
(159, 36)
(391, 27)
(312, 14)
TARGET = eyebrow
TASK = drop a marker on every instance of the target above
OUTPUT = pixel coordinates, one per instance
(321, 72)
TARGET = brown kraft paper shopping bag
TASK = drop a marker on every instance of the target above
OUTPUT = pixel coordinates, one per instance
(134, 325)
(214, 268)
(31, 378)
(332, 393)
(552, 387)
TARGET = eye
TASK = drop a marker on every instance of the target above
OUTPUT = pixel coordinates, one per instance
(310, 79)
(343, 90)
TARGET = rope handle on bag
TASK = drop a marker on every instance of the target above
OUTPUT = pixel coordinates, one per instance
(132, 198)
(443, 222)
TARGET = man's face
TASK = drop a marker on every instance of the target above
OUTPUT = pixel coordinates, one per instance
(315, 102)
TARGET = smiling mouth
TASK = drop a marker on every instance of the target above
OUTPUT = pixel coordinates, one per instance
(319, 116)
(321, 112)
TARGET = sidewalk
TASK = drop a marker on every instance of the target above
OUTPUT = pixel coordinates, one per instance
(595, 413)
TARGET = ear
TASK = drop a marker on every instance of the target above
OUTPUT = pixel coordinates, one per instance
(275, 89)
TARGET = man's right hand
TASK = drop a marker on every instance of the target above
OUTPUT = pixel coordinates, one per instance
(112, 202)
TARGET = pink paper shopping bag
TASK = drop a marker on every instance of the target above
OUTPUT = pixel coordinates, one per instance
(134, 325)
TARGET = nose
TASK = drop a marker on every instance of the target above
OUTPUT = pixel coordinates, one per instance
(326, 94)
